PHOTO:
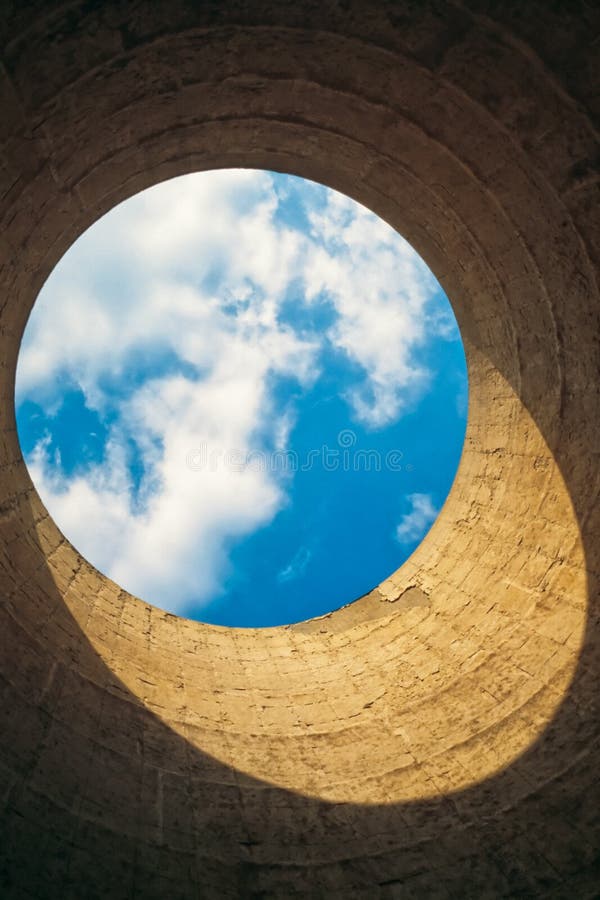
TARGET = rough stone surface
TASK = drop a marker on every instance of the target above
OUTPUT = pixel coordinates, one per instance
(439, 737)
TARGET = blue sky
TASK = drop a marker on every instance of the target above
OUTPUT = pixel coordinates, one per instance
(243, 397)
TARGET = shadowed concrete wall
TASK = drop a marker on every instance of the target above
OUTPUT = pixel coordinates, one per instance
(433, 742)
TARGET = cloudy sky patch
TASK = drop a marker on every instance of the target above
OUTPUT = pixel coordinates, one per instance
(415, 523)
(238, 312)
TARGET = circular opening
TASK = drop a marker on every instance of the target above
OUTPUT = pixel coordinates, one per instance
(242, 396)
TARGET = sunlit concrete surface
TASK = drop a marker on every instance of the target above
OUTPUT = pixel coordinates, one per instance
(438, 737)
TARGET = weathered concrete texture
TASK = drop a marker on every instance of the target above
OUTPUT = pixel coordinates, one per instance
(439, 748)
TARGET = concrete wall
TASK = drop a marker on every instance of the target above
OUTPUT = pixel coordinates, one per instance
(445, 749)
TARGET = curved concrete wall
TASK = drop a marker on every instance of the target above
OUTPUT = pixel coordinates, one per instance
(437, 742)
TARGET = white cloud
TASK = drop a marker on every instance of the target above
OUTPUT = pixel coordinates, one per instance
(380, 287)
(296, 567)
(415, 523)
(198, 268)
(143, 274)
(174, 548)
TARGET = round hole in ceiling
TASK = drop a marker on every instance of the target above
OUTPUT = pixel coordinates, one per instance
(242, 396)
